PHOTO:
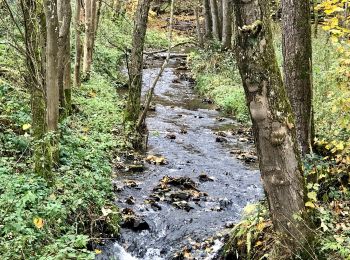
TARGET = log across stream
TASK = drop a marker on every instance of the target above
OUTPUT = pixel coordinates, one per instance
(202, 187)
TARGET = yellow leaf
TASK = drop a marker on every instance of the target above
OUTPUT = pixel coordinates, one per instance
(258, 243)
(310, 204)
(38, 222)
(312, 195)
(26, 126)
(260, 226)
(98, 251)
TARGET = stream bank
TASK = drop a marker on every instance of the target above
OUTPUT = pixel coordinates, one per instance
(193, 184)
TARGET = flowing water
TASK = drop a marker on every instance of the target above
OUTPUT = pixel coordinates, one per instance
(192, 150)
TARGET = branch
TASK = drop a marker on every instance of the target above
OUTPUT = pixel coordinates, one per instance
(143, 115)
(172, 47)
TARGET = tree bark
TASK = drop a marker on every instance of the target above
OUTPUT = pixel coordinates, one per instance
(64, 63)
(89, 37)
(220, 13)
(198, 27)
(35, 79)
(136, 61)
(207, 20)
(78, 43)
(297, 56)
(52, 90)
(272, 120)
(227, 24)
(215, 19)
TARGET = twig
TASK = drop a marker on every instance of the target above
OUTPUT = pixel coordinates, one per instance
(165, 63)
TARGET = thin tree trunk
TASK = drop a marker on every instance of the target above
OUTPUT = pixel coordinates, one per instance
(215, 19)
(78, 43)
(198, 27)
(207, 20)
(227, 24)
(88, 39)
(272, 120)
(136, 61)
(220, 14)
(64, 19)
(52, 90)
(297, 55)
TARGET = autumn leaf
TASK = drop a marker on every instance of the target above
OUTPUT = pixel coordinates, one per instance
(98, 251)
(38, 222)
(26, 126)
(310, 204)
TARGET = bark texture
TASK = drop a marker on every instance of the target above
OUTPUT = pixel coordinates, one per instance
(215, 19)
(64, 63)
(89, 37)
(227, 23)
(272, 119)
(207, 20)
(297, 67)
(198, 26)
(78, 43)
(136, 61)
(52, 90)
(35, 79)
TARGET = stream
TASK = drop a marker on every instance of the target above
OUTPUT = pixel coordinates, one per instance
(202, 187)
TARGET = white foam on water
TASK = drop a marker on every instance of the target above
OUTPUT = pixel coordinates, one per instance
(121, 254)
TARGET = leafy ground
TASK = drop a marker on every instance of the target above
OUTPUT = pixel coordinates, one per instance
(327, 170)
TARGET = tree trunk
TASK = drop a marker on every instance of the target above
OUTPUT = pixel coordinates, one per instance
(272, 120)
(207, 19)
(35, 78)
(78, 43)
(52, 90)
(220, 14)
(89, 37)
(64, 19)
(215, 19)
(198, 27)
(227, 24)
(297, 55)
(136, 61)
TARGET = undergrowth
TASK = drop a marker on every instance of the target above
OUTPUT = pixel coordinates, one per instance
(59, 222)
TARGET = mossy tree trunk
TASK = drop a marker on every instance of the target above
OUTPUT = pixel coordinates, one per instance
(297, 66)
(34, 22)
(136, 61)
(272, 120)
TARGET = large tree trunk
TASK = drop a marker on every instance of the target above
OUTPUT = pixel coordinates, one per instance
(136, 61)
(64, 19)
(89, 37)
(52, 90)
(215, 19)
(297, 55)
(207, 20)
(227, 24)
(78, 43)
(35, 79)
(272, 120)
(220, 13)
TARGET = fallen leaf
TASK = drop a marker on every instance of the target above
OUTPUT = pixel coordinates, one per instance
(38, 222)
(98, 251)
